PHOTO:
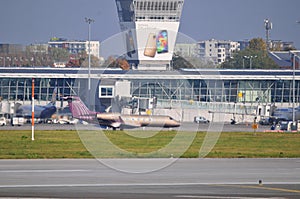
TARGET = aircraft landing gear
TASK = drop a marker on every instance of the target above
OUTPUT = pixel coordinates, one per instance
(233, 122)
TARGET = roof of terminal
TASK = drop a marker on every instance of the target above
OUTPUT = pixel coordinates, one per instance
(281, 58)
(46, 72)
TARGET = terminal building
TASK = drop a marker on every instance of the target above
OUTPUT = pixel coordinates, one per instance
(150, 30)
(182, 94)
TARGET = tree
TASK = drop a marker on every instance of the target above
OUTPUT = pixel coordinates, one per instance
(258, 44)
(119, 62)
(84, 61)
(190, 62)
(255, 54)
(110, 62)
(123, 64)
(59, 54)
(181, 62)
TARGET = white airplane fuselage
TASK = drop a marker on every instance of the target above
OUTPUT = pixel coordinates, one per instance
(117, 120)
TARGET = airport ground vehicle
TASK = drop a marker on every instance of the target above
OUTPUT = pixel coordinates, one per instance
(17, 121)
(200, 119)
(2, 121)
(66, 121)
(266, 121)
(285, 126)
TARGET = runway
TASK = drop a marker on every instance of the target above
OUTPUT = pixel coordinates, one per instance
(184, 178)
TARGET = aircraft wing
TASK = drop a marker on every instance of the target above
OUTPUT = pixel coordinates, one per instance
(117, 120)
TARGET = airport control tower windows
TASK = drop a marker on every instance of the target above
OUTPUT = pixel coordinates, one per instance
(157, 10)
(157, 5)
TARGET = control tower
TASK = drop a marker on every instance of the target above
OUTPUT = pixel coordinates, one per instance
(150, 30)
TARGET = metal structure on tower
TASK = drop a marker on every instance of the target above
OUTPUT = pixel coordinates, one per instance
(268, 27)
(149, 30)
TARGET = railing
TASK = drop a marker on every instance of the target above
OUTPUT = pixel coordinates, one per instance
(234, 108)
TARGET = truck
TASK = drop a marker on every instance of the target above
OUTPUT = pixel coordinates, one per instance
(17, 121)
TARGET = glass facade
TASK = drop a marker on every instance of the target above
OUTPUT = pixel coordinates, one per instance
(165, 87)
(245, 91)
(19, 89)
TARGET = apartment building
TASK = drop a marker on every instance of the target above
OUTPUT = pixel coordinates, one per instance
(75, 46)
(217, 50)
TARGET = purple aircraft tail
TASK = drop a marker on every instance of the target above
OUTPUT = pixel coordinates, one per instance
(79, 109)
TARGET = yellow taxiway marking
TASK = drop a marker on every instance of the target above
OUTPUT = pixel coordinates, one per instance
(262, 187)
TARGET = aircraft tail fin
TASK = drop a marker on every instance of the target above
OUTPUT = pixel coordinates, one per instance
(53, 99)
(79, 109)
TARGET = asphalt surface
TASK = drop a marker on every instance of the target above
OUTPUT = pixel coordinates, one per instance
(150, 178)
(186, 126)
(183, 178)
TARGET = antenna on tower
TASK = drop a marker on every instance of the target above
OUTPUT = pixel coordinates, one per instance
(268, 27)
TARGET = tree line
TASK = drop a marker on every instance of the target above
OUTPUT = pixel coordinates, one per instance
(255, 56)
(46, 57)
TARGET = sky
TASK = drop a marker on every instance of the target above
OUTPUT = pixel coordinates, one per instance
(36, 21)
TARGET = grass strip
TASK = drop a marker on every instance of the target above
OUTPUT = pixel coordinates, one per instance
(67, 144)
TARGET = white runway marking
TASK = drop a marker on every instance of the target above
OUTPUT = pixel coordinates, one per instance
(42, 171)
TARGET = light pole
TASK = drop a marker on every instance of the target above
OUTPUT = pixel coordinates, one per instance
(89, 21)
(250, 58)
(294, 53)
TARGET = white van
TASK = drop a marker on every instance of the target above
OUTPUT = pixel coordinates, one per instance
(200, 119)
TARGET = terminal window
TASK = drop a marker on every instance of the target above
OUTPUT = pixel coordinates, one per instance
(106, 91)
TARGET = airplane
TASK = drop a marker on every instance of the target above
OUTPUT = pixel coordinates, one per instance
(41, 112)
(117, 120)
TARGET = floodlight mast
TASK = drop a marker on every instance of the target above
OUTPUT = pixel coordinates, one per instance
(89, 21)
(294, 54)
